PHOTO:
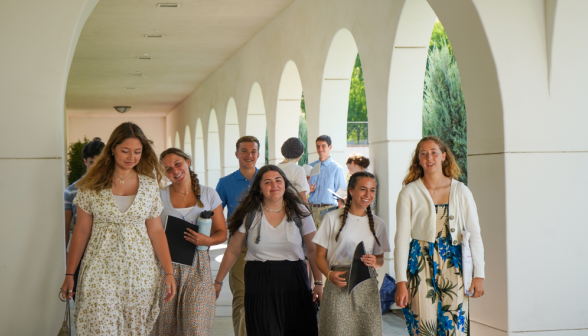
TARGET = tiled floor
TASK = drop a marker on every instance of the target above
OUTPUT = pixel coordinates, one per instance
(393, 325)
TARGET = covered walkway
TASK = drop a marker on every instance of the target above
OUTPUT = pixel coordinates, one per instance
(199, 75)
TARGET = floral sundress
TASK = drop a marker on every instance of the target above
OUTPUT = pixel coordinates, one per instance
(437, 305)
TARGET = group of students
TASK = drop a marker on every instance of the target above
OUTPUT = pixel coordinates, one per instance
(278, 230)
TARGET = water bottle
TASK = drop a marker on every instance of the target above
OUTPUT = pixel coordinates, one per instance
(204, 223)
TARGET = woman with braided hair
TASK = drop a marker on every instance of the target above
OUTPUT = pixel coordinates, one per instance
(191, 312)
(340, 232)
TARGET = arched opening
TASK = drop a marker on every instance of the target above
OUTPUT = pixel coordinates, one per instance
(287, 111)
(334, 104)
(188, 142)
(213, 169)
(199, 163)
(230, 162)
(256, 123)
(178, 143)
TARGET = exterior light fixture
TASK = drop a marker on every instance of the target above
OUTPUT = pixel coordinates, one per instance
(122, 109)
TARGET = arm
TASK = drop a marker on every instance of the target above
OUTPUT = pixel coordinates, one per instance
(311, 254)
(375, 261)
(161, 248)
(231, 254)
(476, 245)
(401, 249)
(323, 265)
(79, 240)
(218, 231)
(340, 182)
(68, 217)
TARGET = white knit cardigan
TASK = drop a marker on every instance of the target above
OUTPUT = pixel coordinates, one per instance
(416, 217)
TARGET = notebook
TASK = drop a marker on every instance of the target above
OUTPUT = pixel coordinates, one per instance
(181, 250)
(359, 271)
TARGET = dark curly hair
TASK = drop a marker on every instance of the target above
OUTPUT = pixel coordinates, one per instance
(253, 198)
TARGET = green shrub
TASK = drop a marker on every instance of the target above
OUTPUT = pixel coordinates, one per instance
(75, 166)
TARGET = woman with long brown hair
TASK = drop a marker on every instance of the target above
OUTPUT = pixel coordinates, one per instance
(433, 209)
(119, 226)
(277, 226)
(191, 312)
(358, 313)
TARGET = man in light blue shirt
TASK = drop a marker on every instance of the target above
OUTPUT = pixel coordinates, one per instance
(330, 177)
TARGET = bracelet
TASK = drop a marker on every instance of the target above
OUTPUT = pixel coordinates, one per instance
(69, 274)
(328, 275)
(317, 283)
(218, 282)
(166, 274)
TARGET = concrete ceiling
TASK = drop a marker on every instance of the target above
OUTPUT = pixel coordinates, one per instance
(200, 36)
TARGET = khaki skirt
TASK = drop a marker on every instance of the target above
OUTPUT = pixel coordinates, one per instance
(355, 314)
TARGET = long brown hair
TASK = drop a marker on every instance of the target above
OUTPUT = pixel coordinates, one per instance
(450, 167)
(253, 199)
(99, 175)
(352, 184)
(193, 176)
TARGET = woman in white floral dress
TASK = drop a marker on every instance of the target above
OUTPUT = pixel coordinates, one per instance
(120, 228)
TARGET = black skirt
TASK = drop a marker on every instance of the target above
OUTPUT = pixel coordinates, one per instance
(278, 299)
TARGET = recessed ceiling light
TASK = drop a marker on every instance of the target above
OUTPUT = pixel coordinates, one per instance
(144, 57)
(131, 87)
(168, 5)
(122, 109)
(154, 35)
(136, 74)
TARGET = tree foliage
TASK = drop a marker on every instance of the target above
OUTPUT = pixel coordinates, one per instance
(75, 165)
(444, 113)
(357, 110)
(439, 37)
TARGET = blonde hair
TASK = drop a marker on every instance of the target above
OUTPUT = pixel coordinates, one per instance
(450, 167)
(99, 175)
(193, 176)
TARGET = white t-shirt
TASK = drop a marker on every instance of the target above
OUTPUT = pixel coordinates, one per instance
(280, 243)
(184, 211)
(295, 175)
(357, 229)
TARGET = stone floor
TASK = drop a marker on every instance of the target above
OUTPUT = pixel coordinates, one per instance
(393, 324)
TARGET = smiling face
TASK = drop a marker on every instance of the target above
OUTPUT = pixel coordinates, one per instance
(323, 150)
(431, 158)
(177, 169)
(272, 186)
(364, 192)
(127, 154)
(247, 154)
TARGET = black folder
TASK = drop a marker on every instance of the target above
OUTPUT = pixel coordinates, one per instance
(359, 272)
(181, 250)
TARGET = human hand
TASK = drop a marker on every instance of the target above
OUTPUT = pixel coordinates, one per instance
(337, 279)
(317, 293)
(312, 188)
(217, 288)
(197, 238)
(477, 288)
(67, 288)
(170, 286)
(369, 260)
(340, 203)
(401, 298)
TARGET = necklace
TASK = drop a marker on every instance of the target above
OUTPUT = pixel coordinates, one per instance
(278, 211)
(435, 189)
(181, 193)
(122, 179)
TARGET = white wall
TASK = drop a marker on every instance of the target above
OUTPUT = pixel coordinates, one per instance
(96, 126)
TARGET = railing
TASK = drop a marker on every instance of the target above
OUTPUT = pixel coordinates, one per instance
(357, 133)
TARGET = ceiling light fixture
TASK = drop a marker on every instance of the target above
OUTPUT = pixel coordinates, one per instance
(122, 109)
(168, 5)
(135, 74)
(154, 35)
(131, 87)
(145, 57)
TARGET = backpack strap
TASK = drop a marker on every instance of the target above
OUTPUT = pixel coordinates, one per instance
(248, 222)
(298, 223)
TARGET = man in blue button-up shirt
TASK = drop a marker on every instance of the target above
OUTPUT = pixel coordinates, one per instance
(330, 177)
(231, 189)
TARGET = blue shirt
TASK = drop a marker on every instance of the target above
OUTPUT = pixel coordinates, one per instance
(330, 177)
(68, 196)
(231, 190)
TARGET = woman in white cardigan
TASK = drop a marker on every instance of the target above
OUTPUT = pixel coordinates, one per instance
(431, 211)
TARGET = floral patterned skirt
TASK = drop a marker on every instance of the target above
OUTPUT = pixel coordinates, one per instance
(437, 304)
(191, 311)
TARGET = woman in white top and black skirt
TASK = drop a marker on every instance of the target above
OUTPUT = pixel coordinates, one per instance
(278, 229)
(358, 313)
